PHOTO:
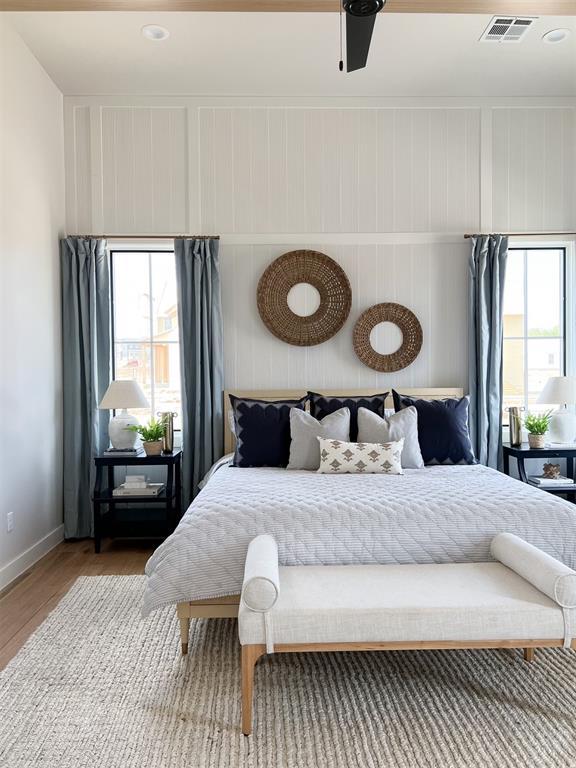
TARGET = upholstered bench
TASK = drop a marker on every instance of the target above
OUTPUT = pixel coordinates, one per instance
(526, 599)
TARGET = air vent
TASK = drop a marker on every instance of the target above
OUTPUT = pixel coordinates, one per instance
(507, 29)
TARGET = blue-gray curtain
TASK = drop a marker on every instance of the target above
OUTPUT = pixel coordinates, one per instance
(487, 272)
(86, 372)
(201, 357)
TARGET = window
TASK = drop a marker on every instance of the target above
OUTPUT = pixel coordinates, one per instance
(145, 327)
(534, 323)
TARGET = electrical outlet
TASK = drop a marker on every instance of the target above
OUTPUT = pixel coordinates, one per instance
(9, 522)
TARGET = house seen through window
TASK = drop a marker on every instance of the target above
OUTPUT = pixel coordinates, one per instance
(146, 345)
(534, 324)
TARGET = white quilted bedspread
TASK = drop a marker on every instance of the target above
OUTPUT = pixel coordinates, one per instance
(433, 515)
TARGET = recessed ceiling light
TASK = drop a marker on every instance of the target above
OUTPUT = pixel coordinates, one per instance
(556, 35)
(155, 32)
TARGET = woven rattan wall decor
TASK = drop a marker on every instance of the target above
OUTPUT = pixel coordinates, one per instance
(411, 337)
(326, 276)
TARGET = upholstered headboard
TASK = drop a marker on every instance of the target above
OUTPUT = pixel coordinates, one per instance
(426, 393)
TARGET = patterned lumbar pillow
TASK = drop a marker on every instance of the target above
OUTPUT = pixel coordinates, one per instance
(338, 457)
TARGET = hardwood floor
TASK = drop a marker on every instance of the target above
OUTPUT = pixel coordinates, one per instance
(25, 604)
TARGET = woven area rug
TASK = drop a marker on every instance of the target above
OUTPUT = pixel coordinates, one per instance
(98, 686)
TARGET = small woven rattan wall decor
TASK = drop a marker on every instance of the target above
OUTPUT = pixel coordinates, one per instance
(411, 337)
(326, 276)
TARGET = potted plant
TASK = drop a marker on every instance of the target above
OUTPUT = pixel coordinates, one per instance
(151, 435)
(537, 425)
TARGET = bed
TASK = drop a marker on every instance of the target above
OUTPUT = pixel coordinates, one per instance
(438, 514)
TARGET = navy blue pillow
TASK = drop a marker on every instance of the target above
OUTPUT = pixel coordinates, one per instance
(322, 405)
(442, 429)
(262, 430)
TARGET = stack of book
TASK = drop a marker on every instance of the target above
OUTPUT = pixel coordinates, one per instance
(128, 452)
(137, 485)
(544, 481)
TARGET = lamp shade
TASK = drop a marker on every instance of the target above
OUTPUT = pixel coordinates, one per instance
(124, 394)
(559, 390)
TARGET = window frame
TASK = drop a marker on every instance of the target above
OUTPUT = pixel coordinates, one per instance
(568, 299)
(144, 249)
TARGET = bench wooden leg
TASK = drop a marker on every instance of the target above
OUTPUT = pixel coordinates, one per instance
(529, 654)
(184, 630)
(250, 655)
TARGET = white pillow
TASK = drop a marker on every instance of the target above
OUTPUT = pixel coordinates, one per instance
(375, 429)
(261, 586)
(338, 457)
(305, 431)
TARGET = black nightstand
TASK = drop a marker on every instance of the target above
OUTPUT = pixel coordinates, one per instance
(141, 517)
(525, 452)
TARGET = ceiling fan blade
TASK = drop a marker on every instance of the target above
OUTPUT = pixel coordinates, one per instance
(358, 37)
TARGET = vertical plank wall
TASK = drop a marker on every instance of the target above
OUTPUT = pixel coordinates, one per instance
(339, 170)
(387, 191)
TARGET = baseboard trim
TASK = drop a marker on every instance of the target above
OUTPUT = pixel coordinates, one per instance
(15, 568)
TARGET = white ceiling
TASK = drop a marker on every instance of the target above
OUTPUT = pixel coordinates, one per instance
(294, 54)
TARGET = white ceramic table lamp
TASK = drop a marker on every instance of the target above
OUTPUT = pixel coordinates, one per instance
(560, 390)
(122, 395)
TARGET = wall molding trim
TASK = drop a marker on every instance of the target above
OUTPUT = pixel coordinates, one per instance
(15, 568)
(343, 102)
(303, 239)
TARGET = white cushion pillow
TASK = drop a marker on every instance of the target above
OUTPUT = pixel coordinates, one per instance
(261, 585)
(539, 568)
(305, 431)
(338, 457)
(375, 429)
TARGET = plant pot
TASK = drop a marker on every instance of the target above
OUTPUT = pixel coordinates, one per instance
(536, 441)
(152, 447)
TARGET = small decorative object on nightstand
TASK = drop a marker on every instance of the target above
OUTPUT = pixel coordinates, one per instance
(537, 426)
(565, 486)
(551, 471)
(561, 390)
(123, 395)
(152, 435)
(515, 422)
(167, 420)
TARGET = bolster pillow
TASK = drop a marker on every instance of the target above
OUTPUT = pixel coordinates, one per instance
(261, 585)
(542, 571)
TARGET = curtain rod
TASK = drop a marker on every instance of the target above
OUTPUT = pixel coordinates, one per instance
(149, 237)
(523, 234)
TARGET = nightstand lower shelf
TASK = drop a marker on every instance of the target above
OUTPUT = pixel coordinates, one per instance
(562, 489)
(107, 497)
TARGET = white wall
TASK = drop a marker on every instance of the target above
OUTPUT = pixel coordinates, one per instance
(32, 217)
(423, 277)
(387, 187)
